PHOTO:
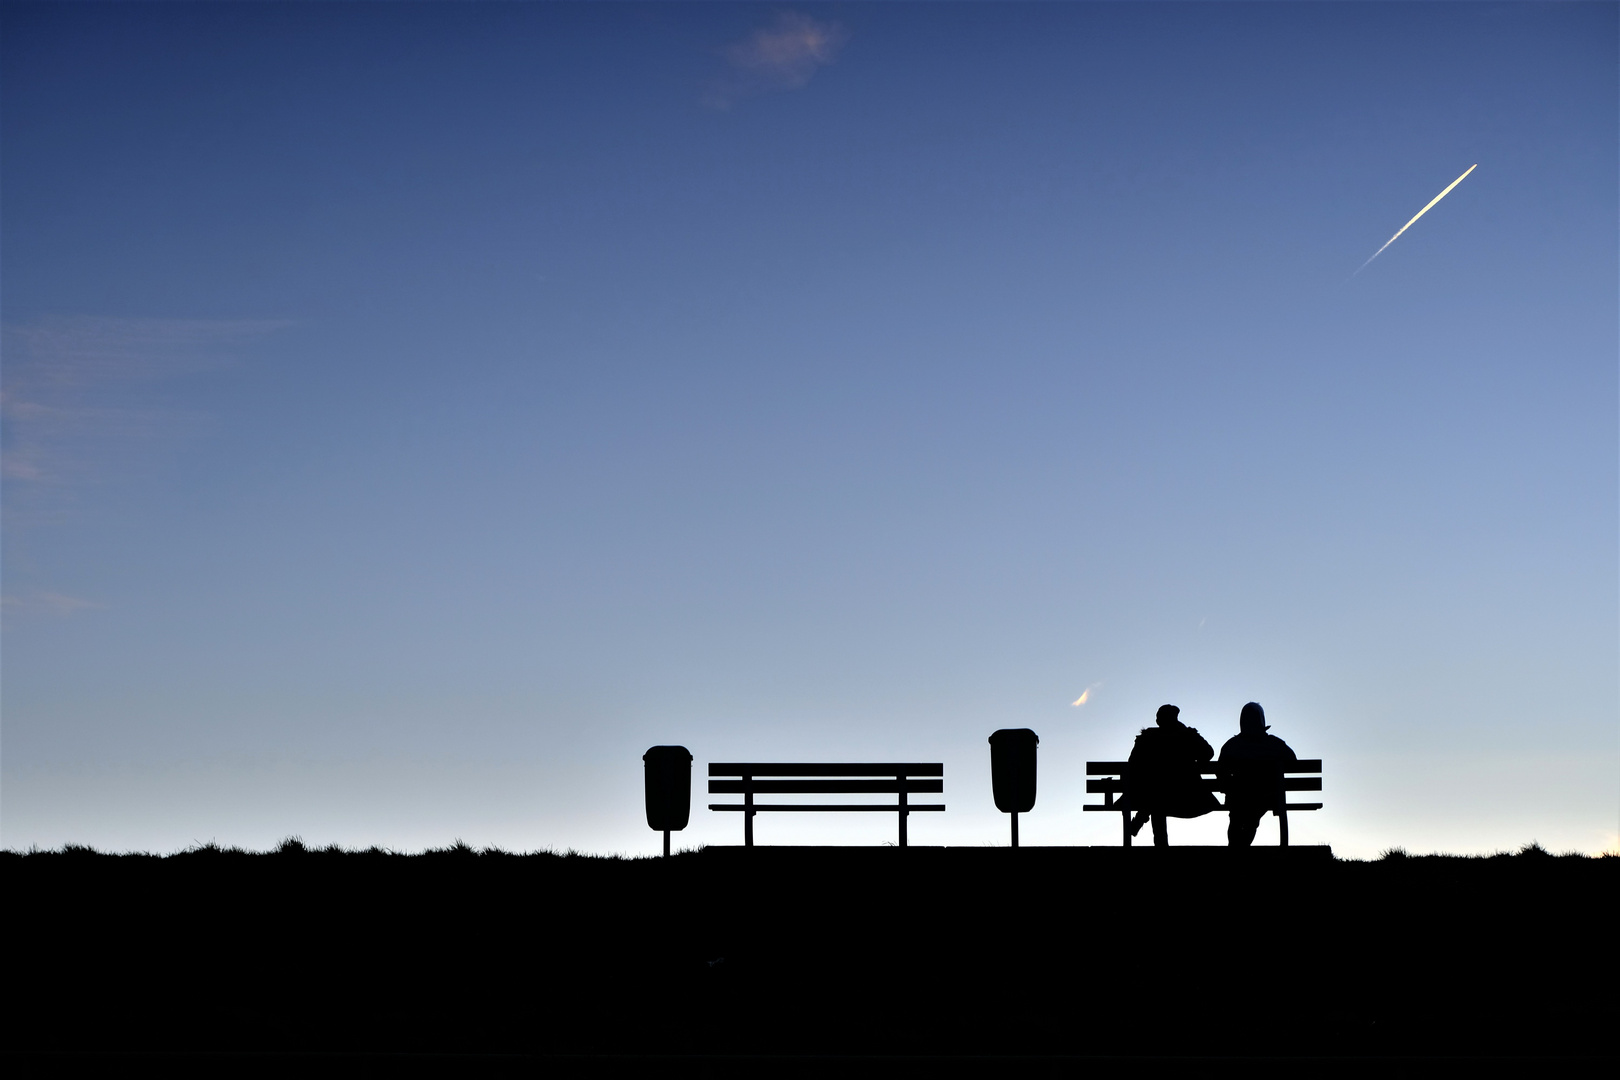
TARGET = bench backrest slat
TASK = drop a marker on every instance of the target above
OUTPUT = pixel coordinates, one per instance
(734, 768)
(1117, 786)
(824, 787)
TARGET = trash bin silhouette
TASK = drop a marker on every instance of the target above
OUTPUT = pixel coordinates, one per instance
(1012, 772)
(669, 789)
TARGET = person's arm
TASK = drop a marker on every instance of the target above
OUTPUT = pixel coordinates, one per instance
(1200, 747)
(1223, 779)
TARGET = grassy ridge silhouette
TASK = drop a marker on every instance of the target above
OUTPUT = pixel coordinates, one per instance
(811, 951)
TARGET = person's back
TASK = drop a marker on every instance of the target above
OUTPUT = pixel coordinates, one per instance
(1252, 775)
(1164, 779)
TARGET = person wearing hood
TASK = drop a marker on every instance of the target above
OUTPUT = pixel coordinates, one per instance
(1164, 779)
(1251, 765)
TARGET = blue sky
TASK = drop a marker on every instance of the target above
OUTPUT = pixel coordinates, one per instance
(414, 412)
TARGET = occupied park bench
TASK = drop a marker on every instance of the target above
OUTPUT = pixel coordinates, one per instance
(1113, 783)
(892, 778)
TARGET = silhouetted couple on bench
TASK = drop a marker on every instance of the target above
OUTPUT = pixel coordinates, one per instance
(1165, 778)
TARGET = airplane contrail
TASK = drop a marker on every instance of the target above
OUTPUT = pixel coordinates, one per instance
(1419, 214)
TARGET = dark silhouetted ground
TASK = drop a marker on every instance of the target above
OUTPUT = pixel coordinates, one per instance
(818, 959)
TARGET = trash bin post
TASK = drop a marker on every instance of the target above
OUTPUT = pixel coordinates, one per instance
(1012, 772)
(668, 777)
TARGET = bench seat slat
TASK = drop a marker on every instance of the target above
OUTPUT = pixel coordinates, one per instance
(1118, 809)
(735, 768)
(887, 808)
(824, 787)
(1114, 768)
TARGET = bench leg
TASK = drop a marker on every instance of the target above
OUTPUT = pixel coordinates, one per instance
(748, 817)
(1125, 820)
(1282, 828)
(666, 843)
(904, 813)
(1015, 829)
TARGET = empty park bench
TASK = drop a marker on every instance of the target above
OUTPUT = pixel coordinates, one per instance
(776, 778)
(1113, 783)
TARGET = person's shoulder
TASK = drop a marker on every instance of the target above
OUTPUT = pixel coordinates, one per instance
(1234, 743)
(1279, 746)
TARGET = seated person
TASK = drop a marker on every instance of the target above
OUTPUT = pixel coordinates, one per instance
(1163, 779)
(1251, 773)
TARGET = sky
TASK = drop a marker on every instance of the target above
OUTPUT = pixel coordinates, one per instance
(412, 413)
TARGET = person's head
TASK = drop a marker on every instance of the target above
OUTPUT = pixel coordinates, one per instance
(1169, 716)
(1252, 721)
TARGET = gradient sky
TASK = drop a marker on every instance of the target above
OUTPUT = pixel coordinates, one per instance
(413, 413)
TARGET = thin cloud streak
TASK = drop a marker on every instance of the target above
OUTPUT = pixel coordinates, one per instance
(86, 402)
(50, 603)
(77, 396)
(784, 56)
(1415, 216)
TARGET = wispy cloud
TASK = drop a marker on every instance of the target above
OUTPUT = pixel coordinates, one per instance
(80, 395)
(782, 56)
(1085, 695)
(49, 603)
